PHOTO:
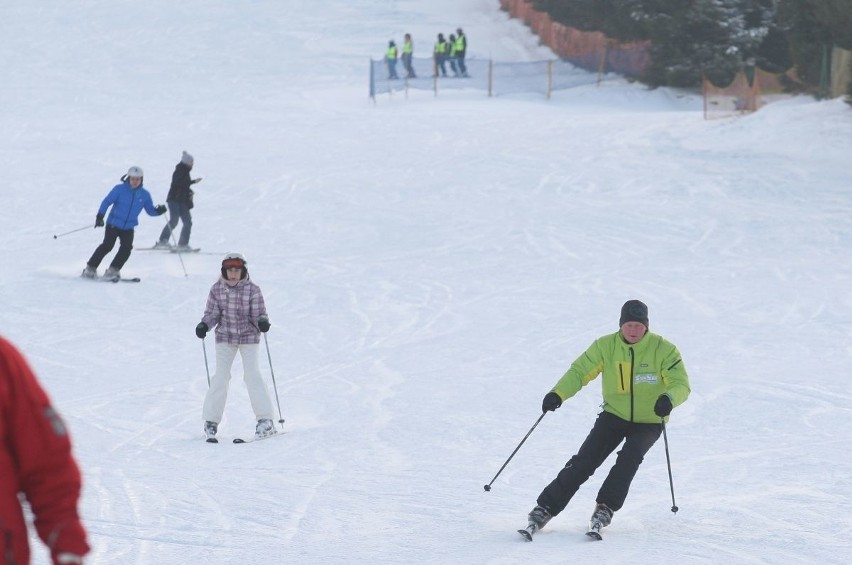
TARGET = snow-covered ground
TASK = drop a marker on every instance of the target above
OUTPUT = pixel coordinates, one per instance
(431, 267)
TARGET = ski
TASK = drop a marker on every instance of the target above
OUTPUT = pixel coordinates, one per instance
(527, 533)
(194, 250)
(170, 249)
(212, 440)
(254, 439)
(113, 280)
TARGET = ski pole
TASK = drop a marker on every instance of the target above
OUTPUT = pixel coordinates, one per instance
(488, 486)
(206, 367)
(669, 465)
(87, 226)
(172, 235)
(275, 386)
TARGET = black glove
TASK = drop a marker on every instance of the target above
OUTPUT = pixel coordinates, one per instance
(99, 221)
(201, 330)
(551, 402)
(263, 324)
(663, 406)
(195, 181)
(162, 209)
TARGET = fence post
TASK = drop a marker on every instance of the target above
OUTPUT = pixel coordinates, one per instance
(372, 82)
(549, 78)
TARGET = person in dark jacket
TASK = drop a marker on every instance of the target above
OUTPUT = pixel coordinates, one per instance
(127, 200)
(180, 203)
(36, 466)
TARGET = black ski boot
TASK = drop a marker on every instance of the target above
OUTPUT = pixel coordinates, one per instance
(601, 518)
(538, 517)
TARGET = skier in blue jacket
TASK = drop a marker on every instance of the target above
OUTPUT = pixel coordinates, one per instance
(127, 199)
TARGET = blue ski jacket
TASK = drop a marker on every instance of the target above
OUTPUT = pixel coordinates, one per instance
(127, 203)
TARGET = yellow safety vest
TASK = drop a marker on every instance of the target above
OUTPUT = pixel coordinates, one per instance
(458, 45)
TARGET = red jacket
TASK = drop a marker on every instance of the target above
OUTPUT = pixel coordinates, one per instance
(35, 461)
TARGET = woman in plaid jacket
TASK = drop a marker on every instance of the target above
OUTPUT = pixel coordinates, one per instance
(236, 309)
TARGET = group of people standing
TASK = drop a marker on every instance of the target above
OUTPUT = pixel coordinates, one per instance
(392, 54)
(452, 51)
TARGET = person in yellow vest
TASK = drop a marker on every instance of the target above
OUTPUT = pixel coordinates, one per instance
(461, 51)
(390, 58)
(453, 55)
(440, 55)
(407, 53)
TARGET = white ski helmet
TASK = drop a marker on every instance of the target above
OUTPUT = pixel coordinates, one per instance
(135, 172)
(234, 260)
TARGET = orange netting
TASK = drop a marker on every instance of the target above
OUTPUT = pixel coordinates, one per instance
(591, 50)
(731, 100)
(744, 95)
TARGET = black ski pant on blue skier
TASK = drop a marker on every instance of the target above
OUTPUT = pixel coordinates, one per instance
(112, 233)
(606, 435)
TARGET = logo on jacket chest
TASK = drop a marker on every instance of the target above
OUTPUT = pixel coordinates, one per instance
(650, 378)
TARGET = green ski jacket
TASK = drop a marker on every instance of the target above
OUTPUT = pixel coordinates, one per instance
(634, 376)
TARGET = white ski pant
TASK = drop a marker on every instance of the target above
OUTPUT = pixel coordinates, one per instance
(217, 394)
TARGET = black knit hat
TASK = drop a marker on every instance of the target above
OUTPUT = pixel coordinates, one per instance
(634, 311)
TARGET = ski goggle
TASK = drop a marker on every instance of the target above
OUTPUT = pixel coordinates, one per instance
(233, 264)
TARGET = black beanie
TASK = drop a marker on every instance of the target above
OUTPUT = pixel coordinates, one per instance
(634, 311)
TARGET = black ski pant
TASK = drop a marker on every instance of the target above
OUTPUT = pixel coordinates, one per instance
(112, 233)
(606, 435)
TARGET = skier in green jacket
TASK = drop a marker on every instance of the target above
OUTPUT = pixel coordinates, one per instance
(643, 379)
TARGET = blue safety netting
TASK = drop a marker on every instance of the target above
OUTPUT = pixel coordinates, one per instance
(493, 77)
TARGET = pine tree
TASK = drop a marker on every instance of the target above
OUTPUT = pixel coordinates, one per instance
(614, 18)
(692, 38)
(806, 35)
(836, 16)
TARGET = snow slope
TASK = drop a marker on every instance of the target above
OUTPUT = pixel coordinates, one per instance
(431, 267)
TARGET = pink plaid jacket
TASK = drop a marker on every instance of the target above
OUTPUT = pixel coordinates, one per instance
(234, 310)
